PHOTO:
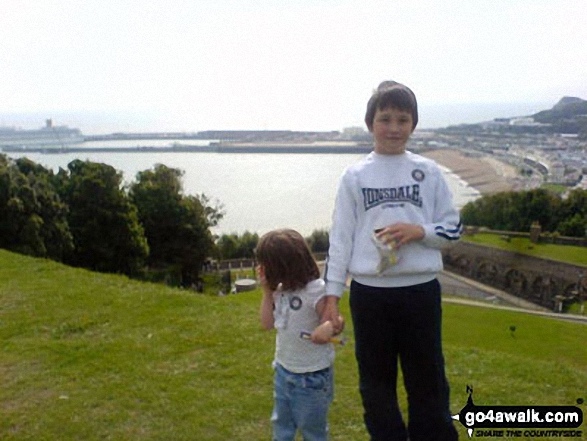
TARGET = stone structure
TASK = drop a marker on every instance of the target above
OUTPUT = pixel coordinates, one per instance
(541, 281)
(535, 232)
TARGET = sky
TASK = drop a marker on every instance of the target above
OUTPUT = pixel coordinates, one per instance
(192, 65)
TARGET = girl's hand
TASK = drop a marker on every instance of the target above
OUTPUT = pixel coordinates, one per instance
(401, 233)
(323, 333)
(262, 279)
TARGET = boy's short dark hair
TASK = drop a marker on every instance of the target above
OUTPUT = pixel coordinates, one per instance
(395, 95)
(287, 260)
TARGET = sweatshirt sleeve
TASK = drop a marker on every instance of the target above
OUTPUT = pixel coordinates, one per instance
(341, 236)
(446, 227)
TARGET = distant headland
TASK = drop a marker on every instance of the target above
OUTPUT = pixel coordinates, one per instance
(568, 116)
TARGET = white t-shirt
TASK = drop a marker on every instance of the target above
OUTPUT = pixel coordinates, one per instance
(294, 313)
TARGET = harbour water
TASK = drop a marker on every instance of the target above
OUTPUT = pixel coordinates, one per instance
(259, 192)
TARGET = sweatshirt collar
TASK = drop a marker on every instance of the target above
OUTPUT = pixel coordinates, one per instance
(389, 158)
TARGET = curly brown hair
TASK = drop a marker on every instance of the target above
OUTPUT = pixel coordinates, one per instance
(287, 259)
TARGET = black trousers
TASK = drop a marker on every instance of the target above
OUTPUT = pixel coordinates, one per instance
(404, 324)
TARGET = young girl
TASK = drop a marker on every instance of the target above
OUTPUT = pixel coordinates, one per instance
(293, 302)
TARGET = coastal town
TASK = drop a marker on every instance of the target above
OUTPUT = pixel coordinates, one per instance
(492, 161)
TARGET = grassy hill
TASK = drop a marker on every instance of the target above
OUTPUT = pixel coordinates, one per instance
(567, 116)
(87, 356)
(573, 254)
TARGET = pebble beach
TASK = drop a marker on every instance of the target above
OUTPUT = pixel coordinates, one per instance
(485, 174)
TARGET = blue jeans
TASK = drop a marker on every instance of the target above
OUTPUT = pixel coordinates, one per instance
(301, 403)
(401, 325)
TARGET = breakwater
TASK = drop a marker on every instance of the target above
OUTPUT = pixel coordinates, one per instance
(211, 148)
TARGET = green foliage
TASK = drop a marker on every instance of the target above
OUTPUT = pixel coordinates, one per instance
(214, 213)
(85, 217)
(107, 234)
(318, 241)
(575, 203)
(32, 216)
(555, 188)
(516, 211)
(235, 246)
(575, 226)
(176, 226)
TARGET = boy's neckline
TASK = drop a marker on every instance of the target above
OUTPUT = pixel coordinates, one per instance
(389, 156)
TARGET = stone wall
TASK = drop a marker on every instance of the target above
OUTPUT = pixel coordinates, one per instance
(541, 281)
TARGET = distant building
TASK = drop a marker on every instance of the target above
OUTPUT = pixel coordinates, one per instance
(557, 173)
(354, 133)
(526, 121)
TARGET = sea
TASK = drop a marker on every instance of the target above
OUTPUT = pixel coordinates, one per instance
(258, 192)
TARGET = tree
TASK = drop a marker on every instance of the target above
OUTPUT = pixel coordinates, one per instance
(234, 246)
(214, 214)
(514, 211)
(537, 205)
(176, 226)
(107, 234)
(575, 226)
(32, 216)
(575, 203)
(574, 214)
(318, 241)
(247, 244)
(195, 240)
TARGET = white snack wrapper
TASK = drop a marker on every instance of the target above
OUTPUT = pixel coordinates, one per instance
(387, 252)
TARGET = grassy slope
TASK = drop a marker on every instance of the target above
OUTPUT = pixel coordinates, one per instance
(93, 356)
(565, 253)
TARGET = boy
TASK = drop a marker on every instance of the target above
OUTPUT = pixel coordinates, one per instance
(392, 215)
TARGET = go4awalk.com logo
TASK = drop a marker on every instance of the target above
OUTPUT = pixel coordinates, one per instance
(520, 421)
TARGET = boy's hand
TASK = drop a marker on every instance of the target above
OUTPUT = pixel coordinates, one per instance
(340, 328)
(401, 233)
(331, 313)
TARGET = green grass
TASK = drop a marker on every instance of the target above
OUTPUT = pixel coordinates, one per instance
(565, 253)
(555, 188)
(87, 356)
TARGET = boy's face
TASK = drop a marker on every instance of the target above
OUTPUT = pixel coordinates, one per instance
(391, 129)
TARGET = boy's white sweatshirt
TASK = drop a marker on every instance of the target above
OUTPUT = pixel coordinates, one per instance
(378, 191)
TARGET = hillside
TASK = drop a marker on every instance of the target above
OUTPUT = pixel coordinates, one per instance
(569, 115)
(88, 356)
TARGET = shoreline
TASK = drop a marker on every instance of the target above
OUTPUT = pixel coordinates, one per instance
(485, 174)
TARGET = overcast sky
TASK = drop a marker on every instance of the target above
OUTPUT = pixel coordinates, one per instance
(281, 64)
